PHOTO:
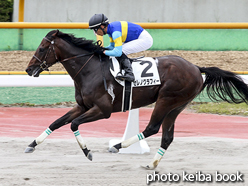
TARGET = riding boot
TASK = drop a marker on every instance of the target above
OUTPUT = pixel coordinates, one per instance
(127, 67)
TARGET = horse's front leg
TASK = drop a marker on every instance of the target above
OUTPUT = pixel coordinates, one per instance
(93, 114)
(67, 118)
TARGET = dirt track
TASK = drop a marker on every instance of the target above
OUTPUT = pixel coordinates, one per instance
(59, 162)
(227, 60)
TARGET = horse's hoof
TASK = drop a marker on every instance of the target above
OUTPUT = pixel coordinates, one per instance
(29, 150)
(90, 156)
(113, 150)
(88, 153)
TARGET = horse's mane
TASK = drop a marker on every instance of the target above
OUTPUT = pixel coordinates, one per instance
(89, 45)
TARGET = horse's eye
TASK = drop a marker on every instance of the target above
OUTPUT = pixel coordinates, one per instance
(41, 50)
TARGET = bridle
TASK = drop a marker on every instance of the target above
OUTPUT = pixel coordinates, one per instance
(44, 65)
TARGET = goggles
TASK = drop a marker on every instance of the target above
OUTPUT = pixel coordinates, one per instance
(95, 29)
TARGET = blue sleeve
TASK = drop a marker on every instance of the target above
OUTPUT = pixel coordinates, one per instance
(116, 43)
(111, 46)
(116, 52)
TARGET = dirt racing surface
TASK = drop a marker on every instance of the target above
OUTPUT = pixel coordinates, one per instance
(226, 60)
(60, 162)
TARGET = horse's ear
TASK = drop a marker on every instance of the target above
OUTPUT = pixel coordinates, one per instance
(56, 33)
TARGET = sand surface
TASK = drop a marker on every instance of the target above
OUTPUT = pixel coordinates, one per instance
(62, 163)
(59, 162)
(227, 60)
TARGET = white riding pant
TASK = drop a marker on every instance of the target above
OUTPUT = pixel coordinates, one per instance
(143, 43)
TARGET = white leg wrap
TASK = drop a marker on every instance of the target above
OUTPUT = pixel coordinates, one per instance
(132, 140)
(43, 136)
(80, 139)
(158, 156)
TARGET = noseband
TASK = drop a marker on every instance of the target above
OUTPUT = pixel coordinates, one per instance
(44, 65)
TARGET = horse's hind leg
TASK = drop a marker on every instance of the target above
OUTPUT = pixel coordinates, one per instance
(67, 118)
(152, 128)
(167, 136)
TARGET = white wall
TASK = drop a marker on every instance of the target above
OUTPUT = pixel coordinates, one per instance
(135, 10)
(42, 81)
(48, 81)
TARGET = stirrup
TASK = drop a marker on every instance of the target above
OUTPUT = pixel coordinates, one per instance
(120, 76)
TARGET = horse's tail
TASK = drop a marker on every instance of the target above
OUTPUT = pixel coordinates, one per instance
(224, 85)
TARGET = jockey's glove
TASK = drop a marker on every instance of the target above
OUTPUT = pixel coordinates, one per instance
(99, 51)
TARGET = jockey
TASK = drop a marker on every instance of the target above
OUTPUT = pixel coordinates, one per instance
(125, 38)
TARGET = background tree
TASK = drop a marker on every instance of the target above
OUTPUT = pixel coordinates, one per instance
(6, 10)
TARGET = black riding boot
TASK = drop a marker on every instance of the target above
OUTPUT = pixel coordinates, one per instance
(127, 67)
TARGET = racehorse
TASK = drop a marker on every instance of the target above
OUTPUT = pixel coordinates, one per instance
(181, 82)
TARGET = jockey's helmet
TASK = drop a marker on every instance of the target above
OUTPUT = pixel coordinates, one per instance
(97, 20)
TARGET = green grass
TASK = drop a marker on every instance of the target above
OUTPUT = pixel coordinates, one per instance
(220, 108)
(36, 95)
(65, 96)
(27, 104)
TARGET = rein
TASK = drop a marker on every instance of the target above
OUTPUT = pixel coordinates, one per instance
(83, 65)
(44, 65)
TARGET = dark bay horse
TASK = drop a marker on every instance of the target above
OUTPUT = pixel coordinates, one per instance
(181, 82)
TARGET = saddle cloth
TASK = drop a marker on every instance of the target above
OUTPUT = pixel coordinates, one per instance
(144, 69)
(145, 72)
